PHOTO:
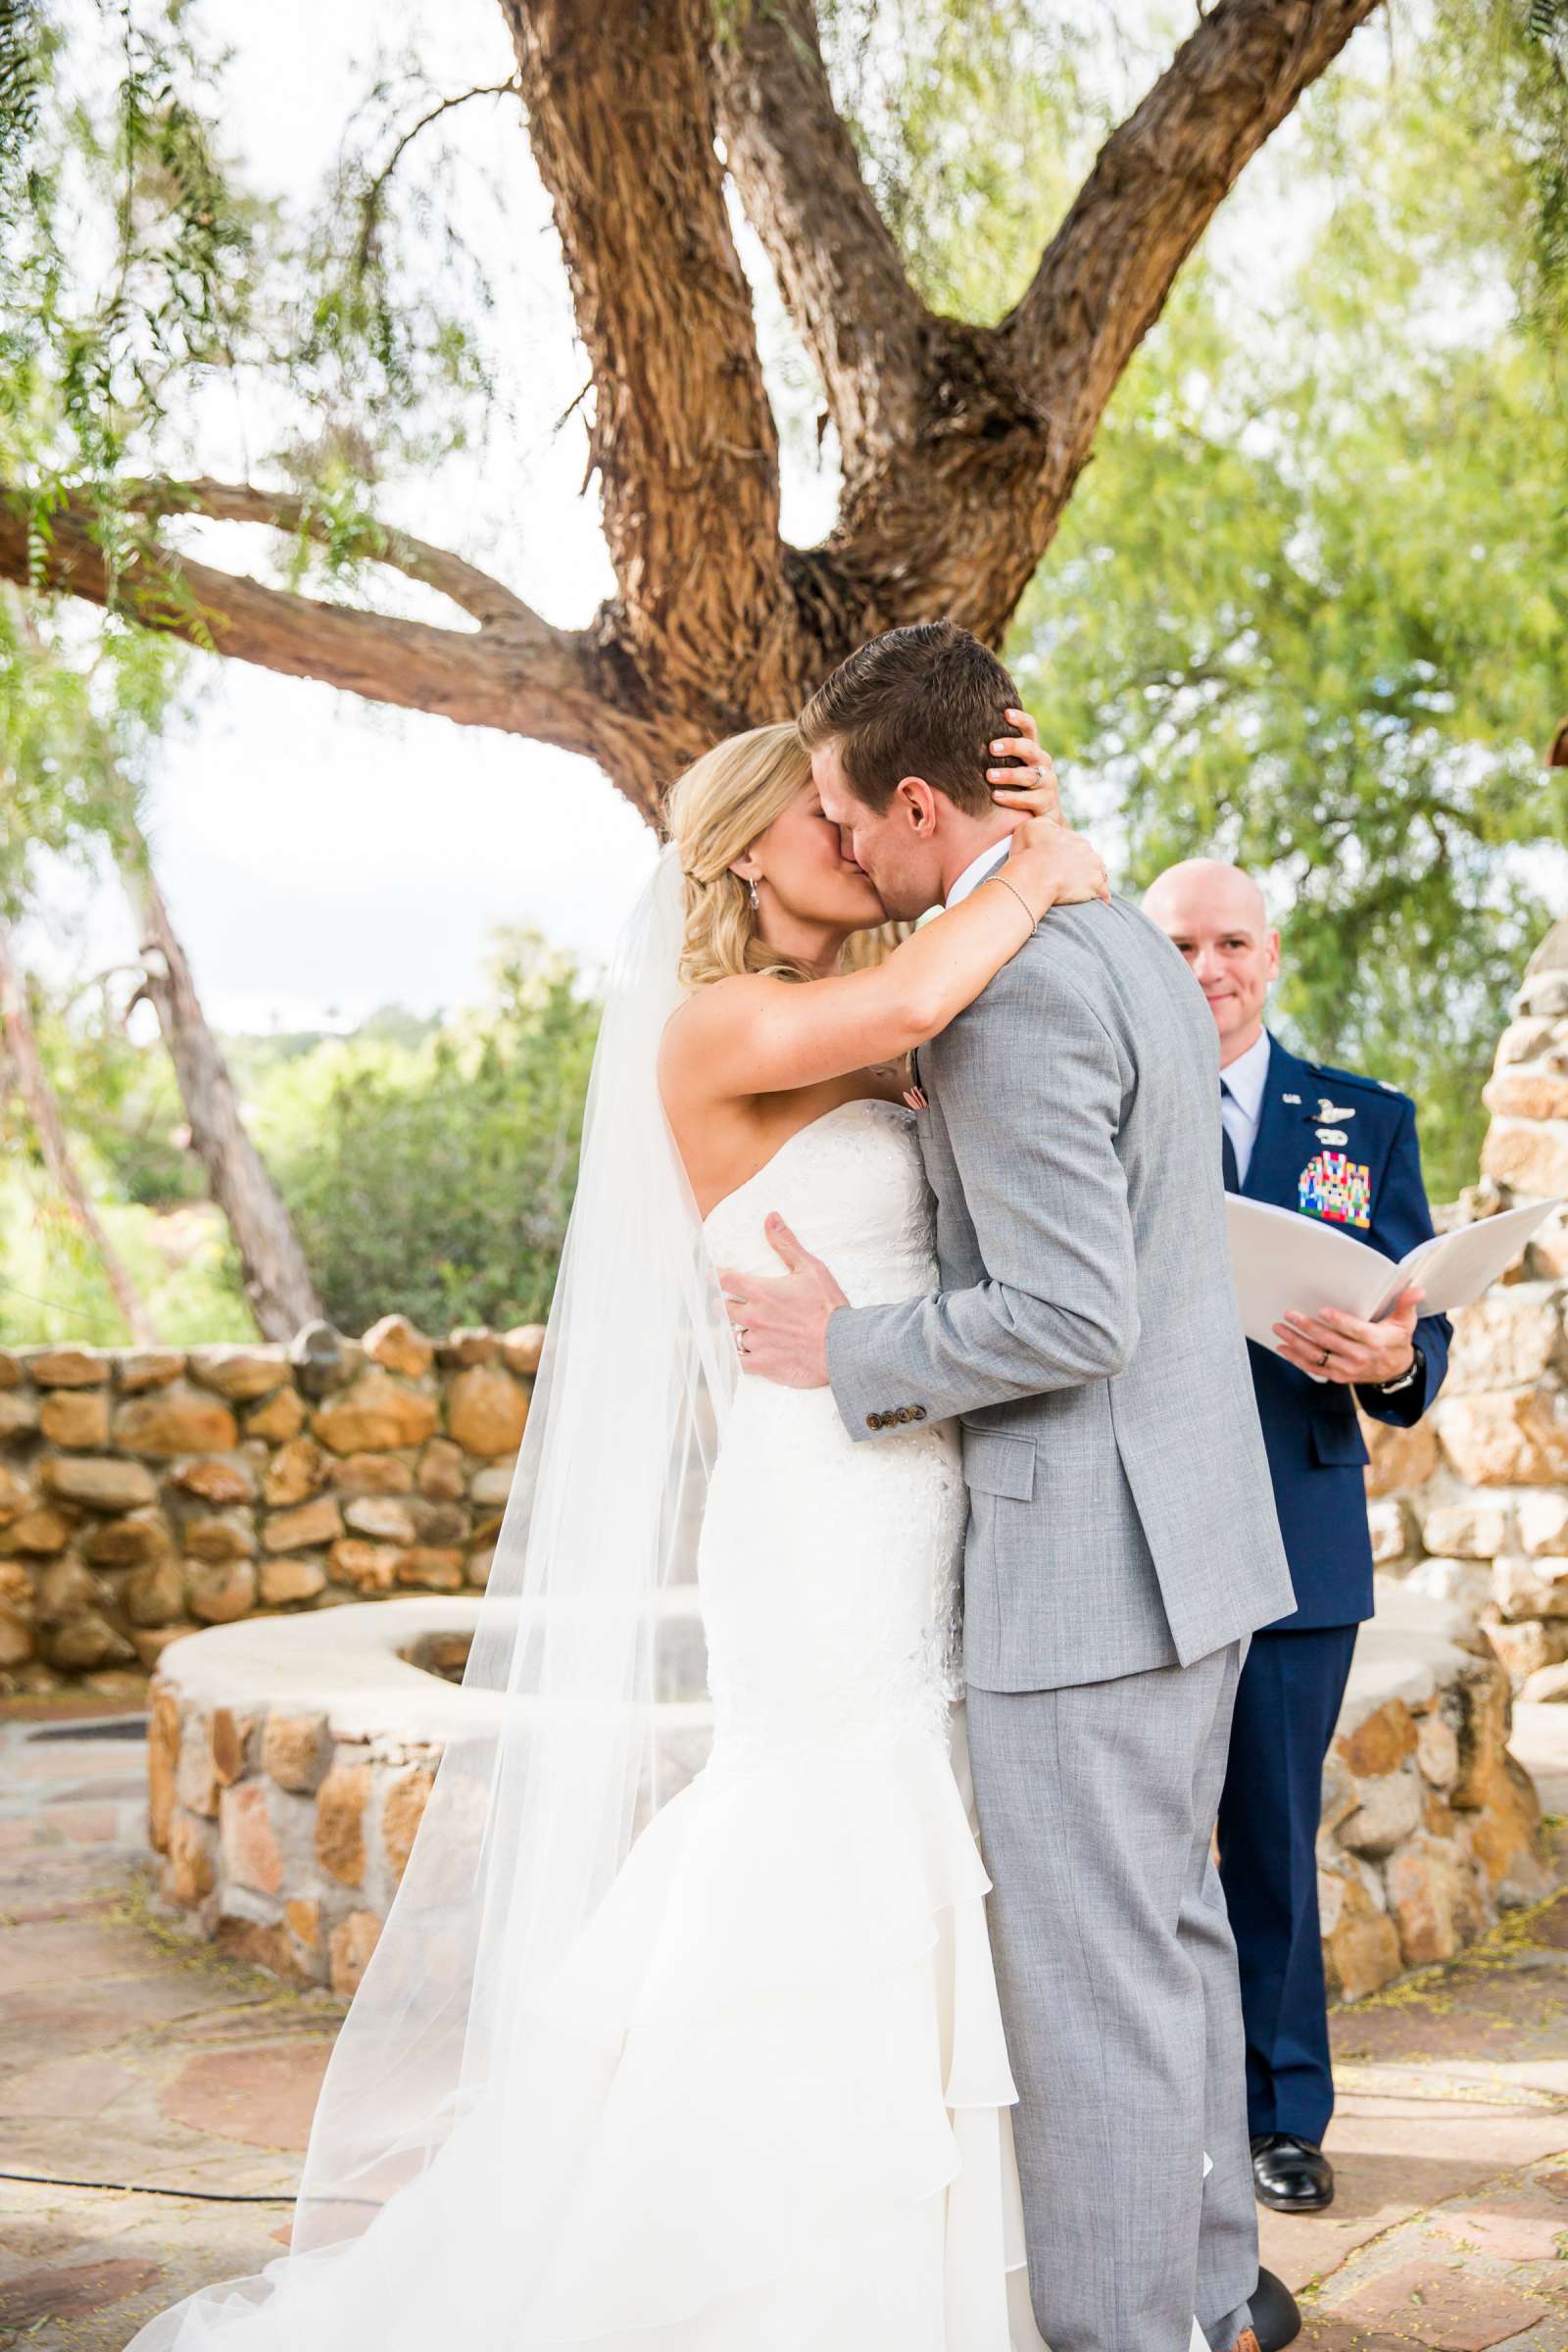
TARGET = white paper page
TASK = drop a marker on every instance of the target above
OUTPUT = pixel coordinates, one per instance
(1459, 1266)
(1283, 1262)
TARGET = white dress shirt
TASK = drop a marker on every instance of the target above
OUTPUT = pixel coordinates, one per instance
(973, 875)
(1241, 1104)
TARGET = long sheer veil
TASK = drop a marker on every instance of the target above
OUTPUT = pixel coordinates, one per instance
(462, 2089)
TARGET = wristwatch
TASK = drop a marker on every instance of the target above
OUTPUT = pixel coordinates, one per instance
(1391, 1388)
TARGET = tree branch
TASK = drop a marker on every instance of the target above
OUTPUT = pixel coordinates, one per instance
(472, 591)
(376, 188)
(958, 522)
(620, 115)
(793, 162)
(1154, 187)
(572, 688)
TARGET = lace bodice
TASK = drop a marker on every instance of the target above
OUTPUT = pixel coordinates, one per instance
(830, 1568)
(852, 1188)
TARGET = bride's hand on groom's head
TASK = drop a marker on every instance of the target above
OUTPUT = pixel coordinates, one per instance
(1030, 786)
(1060, 868)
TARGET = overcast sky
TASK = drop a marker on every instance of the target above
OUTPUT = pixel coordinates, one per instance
(322, 856)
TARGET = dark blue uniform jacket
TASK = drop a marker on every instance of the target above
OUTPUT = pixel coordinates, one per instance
(1369, 1184)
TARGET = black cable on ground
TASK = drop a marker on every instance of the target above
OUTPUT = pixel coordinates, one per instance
(140, 2189)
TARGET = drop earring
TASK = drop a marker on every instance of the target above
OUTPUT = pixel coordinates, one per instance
(755, 897)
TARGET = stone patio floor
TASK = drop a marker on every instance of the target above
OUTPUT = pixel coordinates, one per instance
(164, 2094)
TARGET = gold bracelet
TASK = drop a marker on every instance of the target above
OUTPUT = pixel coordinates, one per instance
(1034, 920)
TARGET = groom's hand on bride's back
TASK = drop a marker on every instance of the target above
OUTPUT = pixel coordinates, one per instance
(780, 1326)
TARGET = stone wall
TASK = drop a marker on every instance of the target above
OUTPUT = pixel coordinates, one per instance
(1473, 1503)
(146, 1493)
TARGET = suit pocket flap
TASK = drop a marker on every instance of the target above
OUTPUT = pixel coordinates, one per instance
(1337, 1440)
(997, 1463)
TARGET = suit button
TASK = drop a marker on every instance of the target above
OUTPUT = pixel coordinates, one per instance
(905, 1412)
(917, 1412)
(873, 1420)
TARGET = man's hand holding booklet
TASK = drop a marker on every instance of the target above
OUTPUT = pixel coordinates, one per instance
(1285, 1263)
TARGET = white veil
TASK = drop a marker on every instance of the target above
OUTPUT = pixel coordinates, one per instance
(461, 2091)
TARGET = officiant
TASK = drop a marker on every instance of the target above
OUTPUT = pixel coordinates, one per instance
(1328, 1144)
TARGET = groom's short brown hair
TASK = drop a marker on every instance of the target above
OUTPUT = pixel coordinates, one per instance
(925, 701)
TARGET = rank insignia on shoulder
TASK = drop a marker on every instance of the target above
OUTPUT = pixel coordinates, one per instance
(1330, 1112)
(1337, 1189)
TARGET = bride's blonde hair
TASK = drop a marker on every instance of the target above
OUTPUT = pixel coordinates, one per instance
(714, 813)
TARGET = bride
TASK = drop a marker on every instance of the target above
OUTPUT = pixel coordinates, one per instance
(661, 2061)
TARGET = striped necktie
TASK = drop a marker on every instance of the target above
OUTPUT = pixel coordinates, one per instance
(1227, 1150)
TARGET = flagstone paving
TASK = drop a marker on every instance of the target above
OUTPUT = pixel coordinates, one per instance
(160, 2096)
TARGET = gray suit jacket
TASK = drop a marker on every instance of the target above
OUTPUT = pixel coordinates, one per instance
(1086, 1334)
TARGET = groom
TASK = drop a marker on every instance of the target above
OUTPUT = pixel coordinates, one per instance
(1122, 1542)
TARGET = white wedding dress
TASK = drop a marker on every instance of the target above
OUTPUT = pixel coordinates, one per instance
(770, 2089)
(807, 2147)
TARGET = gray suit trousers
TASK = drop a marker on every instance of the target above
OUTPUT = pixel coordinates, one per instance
(1117, 1974)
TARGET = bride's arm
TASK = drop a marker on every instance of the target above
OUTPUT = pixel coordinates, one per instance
(754, 1035)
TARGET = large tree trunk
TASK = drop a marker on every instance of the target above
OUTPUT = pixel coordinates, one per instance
(960, 443)
(44, 1111)
(277, 1278)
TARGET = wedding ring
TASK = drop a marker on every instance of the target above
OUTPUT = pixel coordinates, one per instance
(740, 1340)
(1322, 1359)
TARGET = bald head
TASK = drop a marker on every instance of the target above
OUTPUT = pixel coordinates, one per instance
(1215, 915)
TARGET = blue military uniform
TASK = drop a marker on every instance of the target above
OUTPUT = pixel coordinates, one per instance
(1339, 1146)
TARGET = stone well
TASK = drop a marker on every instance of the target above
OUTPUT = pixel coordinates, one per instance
(290, 1760)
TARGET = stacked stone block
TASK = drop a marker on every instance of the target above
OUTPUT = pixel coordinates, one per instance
(283, 1845)
(146, 1493)
(1473, 1503)
(1430, 1828)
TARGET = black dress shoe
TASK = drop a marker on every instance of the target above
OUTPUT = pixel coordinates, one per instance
(1290, 2174)
(1276, 2322)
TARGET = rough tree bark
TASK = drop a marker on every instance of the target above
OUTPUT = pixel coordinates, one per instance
(33, 1083)
(961, 444)
(276, 1275)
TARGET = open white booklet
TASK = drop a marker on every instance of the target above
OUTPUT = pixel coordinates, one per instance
(1285, 1262)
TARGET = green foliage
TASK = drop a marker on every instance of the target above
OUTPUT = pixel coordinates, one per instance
(124, 1120)
(428, 1164)
(973, 118)
(1506, 72)
(436, 1177)
(1307, 608)
(137, 269)
(53, 1288)
(122, 1098)
(78, 720)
